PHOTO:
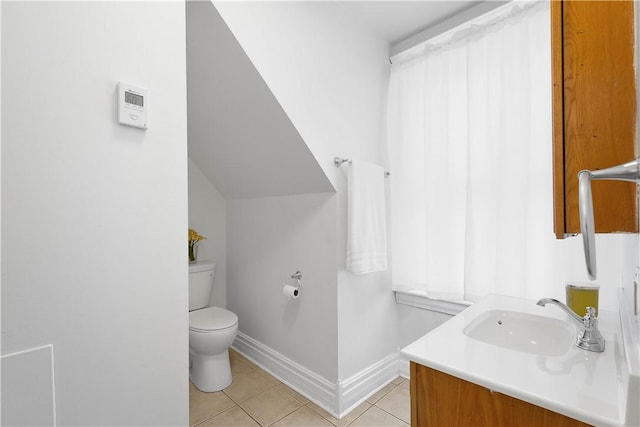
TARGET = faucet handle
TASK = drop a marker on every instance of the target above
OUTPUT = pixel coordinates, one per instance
(590, 338)
(590, 319)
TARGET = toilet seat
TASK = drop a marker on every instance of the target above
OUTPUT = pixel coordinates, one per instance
(211, 319)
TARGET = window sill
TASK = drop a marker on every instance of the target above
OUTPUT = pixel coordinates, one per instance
(425, 303)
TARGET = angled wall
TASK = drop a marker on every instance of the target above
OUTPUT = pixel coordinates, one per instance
(239, 135)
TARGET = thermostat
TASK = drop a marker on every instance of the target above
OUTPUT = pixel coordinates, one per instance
(133, 106)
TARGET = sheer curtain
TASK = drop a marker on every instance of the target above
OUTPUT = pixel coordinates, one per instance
(469, 136)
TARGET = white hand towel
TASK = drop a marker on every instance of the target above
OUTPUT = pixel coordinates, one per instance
(366, 227)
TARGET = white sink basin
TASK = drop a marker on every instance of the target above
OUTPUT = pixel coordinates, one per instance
(531, 356)
(523, 332)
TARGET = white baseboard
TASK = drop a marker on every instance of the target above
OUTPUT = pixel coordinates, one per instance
(357, 388)
(314, 387)
(336, 398)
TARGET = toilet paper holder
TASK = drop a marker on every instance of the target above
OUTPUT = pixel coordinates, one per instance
(292, 291)
(297, 276)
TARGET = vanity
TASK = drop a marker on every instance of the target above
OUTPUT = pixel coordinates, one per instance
(506, 361)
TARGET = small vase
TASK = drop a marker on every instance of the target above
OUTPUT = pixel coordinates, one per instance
(193, 254)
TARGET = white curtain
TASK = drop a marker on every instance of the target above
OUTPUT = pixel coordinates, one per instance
(469, 122)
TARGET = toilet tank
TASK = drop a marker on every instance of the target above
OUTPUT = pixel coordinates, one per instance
(201, 277)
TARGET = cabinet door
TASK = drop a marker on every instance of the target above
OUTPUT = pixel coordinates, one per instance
(594, 114)
(515, 412)
(439, 399)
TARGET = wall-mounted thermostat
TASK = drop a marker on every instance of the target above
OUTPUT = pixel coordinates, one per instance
(133, 106)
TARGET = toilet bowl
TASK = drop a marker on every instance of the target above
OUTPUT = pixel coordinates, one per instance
(211, 332)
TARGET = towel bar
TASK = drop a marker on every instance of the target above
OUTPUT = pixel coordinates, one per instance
(338, 161)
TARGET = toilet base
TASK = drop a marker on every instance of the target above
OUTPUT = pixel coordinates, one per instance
(210, 373)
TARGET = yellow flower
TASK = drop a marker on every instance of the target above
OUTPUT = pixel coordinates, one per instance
(194, 237)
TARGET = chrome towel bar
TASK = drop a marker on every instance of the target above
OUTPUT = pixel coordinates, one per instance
(338, 161)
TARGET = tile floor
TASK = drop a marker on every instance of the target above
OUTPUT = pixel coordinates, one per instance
(255, 398)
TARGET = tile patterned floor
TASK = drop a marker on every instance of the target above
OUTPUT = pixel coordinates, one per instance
(256, 399)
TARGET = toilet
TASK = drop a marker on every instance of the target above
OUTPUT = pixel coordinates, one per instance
(211, 332)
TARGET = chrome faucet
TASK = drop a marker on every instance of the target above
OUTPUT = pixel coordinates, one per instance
(588, 337)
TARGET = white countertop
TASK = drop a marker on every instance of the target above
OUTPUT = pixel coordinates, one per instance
(580, 384)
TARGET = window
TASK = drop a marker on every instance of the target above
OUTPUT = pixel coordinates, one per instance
(469, 137)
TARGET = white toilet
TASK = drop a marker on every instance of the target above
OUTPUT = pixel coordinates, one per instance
(211, 332)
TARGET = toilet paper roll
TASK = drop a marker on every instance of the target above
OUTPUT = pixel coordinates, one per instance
(290, 291)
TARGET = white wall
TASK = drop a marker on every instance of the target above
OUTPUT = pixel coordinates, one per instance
(269, 239)
(330, 75)
(208, 216)
(413, 323)
(94, 214)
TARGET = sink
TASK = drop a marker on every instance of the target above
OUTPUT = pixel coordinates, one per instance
(515, 347)
(525, 332)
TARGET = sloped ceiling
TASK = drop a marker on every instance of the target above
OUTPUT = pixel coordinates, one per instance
(397, 20)
(238, 134)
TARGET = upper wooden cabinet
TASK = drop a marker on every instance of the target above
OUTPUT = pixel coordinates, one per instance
(594, 110)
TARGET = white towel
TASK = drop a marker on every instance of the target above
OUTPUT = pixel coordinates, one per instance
(366, 227)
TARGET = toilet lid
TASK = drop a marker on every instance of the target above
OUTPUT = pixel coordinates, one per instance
(211, 318)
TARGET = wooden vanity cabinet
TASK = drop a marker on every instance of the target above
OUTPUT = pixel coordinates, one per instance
(439, 399)
(594, 110)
